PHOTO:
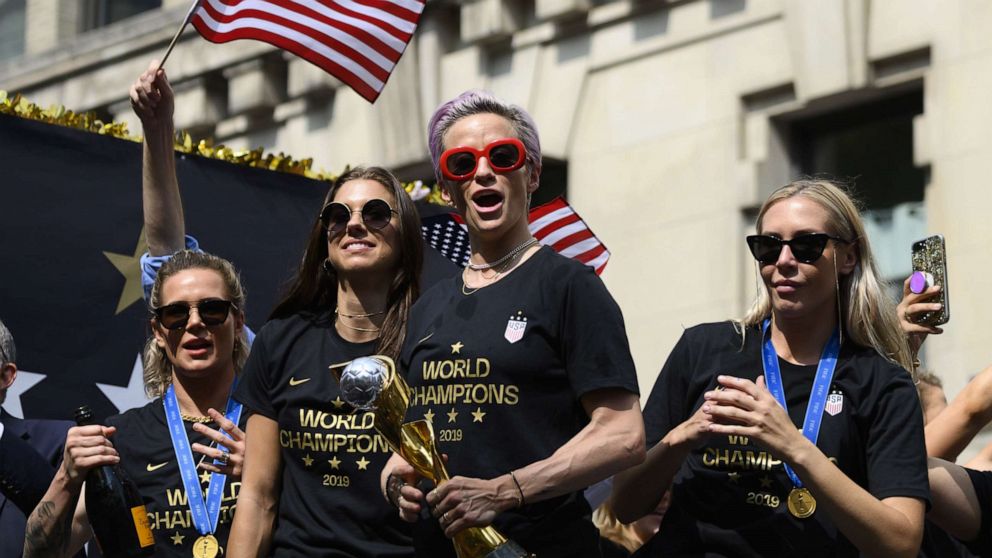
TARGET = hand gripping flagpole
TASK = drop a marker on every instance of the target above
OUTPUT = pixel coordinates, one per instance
(189, 16)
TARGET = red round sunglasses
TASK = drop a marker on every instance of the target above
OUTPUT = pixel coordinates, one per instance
(504, 155)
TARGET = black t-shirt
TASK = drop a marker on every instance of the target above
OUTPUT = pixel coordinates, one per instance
(148, 458)
(500, 373)
(729, 498)
(330, 503)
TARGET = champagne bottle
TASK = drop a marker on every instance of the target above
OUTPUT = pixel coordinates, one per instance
(115, 508)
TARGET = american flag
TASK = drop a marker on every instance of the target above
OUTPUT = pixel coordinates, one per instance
(554, 223)
(356, 41)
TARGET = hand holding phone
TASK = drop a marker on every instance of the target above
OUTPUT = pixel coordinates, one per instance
(929, 271)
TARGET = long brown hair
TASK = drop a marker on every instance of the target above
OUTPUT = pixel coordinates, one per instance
(314, 289)
(158, 368)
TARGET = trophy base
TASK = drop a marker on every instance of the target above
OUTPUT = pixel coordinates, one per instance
(509, 549)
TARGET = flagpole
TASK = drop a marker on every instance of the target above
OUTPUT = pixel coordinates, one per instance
(189, 16)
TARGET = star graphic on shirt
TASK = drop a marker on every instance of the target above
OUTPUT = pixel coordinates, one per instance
(363, 463)
(334, 461)
(766, 481)
(205, 477)
(177, 539)
(734, 477)
(477, 414)
(130, 268)
(337, 402)
(429, 415)
(456, 349)
(452, 415)
(307, 460)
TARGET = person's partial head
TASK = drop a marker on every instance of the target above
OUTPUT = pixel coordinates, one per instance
(356, 235)
(8, 361)
(197, 323)
(828, 257)
(475, 141)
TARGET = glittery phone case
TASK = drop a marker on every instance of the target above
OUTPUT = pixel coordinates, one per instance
(930, 257)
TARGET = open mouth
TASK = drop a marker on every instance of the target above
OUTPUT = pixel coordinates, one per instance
(197, 347)
(487, 201)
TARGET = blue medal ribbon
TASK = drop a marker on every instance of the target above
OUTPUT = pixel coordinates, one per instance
(817, 397)
(204, 514)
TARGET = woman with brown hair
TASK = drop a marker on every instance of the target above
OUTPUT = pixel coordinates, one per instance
(312, 461)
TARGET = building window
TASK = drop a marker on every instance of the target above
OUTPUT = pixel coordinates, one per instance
(871, 147)
(11, 29)
(98, 13)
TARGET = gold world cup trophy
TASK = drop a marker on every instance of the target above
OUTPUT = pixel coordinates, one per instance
(371, 383)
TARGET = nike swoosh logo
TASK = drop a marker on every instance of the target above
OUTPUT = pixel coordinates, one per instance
(295, 382)
(429, 335)
(152, 468)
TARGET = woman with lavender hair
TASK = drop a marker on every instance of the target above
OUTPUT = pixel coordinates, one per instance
(521, 362)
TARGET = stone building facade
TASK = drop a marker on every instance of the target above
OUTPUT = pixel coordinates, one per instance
(667, 122)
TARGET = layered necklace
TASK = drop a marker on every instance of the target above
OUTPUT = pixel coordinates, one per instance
(502, 264)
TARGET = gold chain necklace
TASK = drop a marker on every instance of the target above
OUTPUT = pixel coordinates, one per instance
(369, 315)
(194, 418)
(356, 328)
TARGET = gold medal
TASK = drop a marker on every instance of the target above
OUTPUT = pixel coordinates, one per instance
(801, 503)
(205, 547)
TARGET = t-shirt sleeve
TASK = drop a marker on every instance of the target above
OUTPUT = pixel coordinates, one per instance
(594, 341)
(151, 264)
(896, 451)
(667, 405)
(254, 386)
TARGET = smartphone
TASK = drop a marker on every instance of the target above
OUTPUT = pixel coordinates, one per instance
(930, 258)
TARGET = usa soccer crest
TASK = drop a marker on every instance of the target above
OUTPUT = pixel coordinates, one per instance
(515, 328)
(835, 403)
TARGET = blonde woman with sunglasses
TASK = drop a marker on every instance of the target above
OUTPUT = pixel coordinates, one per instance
(795, 431)
(186, 446)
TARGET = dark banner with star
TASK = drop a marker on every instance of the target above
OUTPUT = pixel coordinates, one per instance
(70, 237)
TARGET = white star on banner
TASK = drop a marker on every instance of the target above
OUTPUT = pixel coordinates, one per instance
(23, 382)
(130, 396)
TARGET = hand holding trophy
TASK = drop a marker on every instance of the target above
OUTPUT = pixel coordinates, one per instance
(371, 383)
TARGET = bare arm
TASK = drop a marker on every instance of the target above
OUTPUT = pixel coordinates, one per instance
(611, 442)
(637, 490)
(982, 461)
(955, 504)
(953, 429)
(886, 527)
(58, 526)
(251, 533)
(152, 100)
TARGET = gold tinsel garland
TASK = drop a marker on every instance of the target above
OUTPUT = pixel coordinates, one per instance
(184, 143)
